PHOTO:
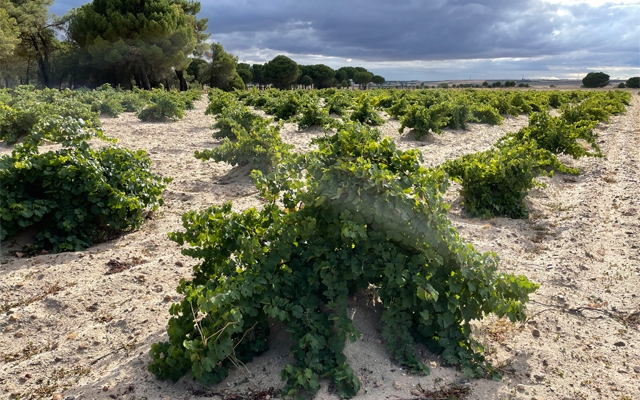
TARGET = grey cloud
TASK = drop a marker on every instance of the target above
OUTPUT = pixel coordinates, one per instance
(534, 35)
(412, 30)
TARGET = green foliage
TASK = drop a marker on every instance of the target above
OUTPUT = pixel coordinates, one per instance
(362, 77)
(484, 113)
(314, 115)
(322, 76)
(219, 100)
(365, 114)
(363, 213)
(9, 32)
(259, 146)
(597, 107)
(141, 39)
(558, 136)
(398, 108)
(244, 71)
(231, 117)
(76, 196)
(338, 103)
(460, 114)
(221, 71)
(495, 182)
(633, 83)
(595, 80)
(27, 108)
(306, 81)
(164, 106)
(34, 28)
(132, 101)
(377, 79)
(422, 119)
(285, 106)
(281, 72)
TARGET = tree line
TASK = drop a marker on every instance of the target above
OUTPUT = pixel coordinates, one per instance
(138, 43)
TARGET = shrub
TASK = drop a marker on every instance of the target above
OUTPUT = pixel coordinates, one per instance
(363, 214)
(218, 100)
(399, 108)
(423, 120)
(487, 114)
(314, 115)
(76, 196)
(495, 182)
(164, 106)
(232, 116)
(260, 146)
(621, 85)
(285, 107)
(558, 136)
(597, 107)
(20, 118)
(338, 103)
(365, 114)
(132, 101)
(460, 114)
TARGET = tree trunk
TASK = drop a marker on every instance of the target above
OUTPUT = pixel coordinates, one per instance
(26, 81)
(145, 80)
(184, 86)
(42, 57)
(136, 78)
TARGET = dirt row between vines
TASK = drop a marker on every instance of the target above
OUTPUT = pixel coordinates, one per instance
(69, 327)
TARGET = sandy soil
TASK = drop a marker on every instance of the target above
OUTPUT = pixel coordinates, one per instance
(68, 327)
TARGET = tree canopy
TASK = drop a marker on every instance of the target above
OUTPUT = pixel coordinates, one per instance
(221, 71)
(244, 70)
(9, 32)
(35, 29)
(595, 80)
(322, 75)
(281, 72)
(257, 73)
(633, 83)
(306, 80)
(378, 80)
(362, 78)
(144, 38)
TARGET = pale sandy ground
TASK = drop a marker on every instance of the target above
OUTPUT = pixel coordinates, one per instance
(85, 334)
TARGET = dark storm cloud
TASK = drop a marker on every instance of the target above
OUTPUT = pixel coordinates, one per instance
(525, 36)
(376, 30)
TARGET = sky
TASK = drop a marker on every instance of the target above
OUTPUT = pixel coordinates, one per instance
(432, 40)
